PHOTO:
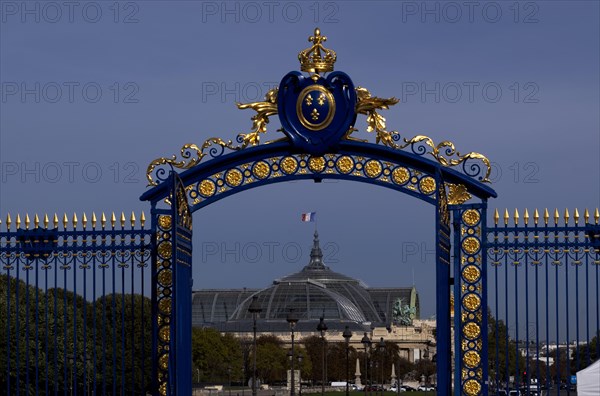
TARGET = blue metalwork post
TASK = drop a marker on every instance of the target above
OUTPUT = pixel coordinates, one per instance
(444, 341)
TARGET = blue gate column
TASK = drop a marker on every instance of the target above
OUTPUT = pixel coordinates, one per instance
(470, 300)
(443, 338)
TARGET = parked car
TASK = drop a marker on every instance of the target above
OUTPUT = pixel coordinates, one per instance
(407, 388)
(426, 388)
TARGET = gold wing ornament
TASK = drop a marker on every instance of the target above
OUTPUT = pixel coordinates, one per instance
(259, 121)
(368, 105)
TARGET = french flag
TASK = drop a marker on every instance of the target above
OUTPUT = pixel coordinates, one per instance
(310, 216)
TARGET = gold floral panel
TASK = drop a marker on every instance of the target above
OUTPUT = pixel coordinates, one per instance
(470, 301)
(301, 164)
(164, 294)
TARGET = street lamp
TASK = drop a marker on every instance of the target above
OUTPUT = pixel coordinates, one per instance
(381, 347)
(347, 335)
(300, 375)
(322, 328)
(229, 378)
(366, 341)
(292, 319)
(254, 309)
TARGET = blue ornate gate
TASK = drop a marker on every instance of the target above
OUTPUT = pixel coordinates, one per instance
(543, 275)
(73, 300)
(72, 306)
(318, 115)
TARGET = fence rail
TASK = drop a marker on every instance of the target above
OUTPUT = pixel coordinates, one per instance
(74, 306)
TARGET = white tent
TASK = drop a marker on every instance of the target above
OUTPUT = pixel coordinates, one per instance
(588, 380)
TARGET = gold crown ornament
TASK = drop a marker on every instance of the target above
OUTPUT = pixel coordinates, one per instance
(317, 59)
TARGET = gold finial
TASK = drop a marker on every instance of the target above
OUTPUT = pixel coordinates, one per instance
(94, 220)
(576, 216)
(586, 216)
(84, 220)
(36, 221)
(74, 220)
(132, 219)
(556, 215)
(18, 221)
(596, 215)
(536, 216)
(516, 216)
(113, 220)
(27, 221)
(506, 216)
(46, 221)
(546, 216)
(122, 220)
(55, 220)
(65, 221)
(143, 219)
(496, 216)
(103, 220)
(526, 216)
(8, 222)
(317, 59)
(566, 216)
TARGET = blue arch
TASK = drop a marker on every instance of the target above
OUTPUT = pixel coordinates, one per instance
(228, 161)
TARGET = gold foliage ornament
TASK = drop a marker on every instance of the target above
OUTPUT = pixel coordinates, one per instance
(368, 105)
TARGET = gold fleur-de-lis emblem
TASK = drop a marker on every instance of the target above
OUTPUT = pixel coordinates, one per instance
(315, 115)
(321, 99)
(308, 100)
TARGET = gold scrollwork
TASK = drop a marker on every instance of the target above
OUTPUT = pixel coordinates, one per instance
(191, 155)
(368, 105)
(263, 110)
(446, 149)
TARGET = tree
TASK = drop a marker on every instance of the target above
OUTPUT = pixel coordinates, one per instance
(271, 363)
(217, 356)
(501, 352)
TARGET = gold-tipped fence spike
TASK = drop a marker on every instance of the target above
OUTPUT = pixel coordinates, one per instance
(132, 219)
(496, 216)
(55, 220)
(506, 216)
(113, 220)
(18, 221)
(526, 216)
(36, 221)
(516, 216)
(103, 220)
(74, 220)
(94, 220)
(65, 221)
(143, 219)
(84, 220)
(8, 222)
(566, 216)
(122, 220)
(536, 216)
(596, 216)
(576, 216)
(586, 216)
(546, 216)
(27, 221)
(556, 216)
(46, 221)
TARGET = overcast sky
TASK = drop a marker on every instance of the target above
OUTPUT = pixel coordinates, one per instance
(93, 91)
